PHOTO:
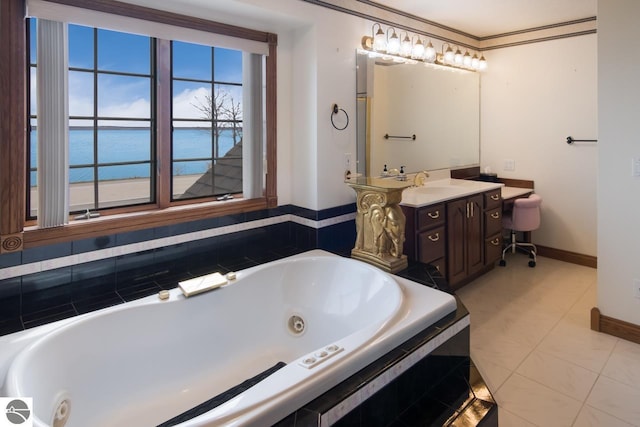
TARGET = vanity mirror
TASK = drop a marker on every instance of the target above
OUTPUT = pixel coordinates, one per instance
(396, 101)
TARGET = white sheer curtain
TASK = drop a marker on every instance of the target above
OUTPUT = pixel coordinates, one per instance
(53, 123)
(253, 125)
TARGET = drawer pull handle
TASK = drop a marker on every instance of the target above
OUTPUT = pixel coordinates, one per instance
(496, 241)
(434, 237)
(495, 197)
(495, 215)
(434, 215)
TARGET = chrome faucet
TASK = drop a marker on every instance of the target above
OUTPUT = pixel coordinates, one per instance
(420, 178)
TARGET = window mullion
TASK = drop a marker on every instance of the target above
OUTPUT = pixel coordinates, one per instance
(163, 122)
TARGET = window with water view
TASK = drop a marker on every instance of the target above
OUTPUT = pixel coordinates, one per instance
(114, 148)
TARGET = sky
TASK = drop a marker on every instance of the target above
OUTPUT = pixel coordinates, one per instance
(127, 96)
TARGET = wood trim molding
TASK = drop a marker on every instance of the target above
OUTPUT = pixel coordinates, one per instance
(465, 173)
(12, 119)
(567, 256)
(11, 243)
(164, 17)
(519, 183)
(113, 224)
(272, 117)
(611, 326)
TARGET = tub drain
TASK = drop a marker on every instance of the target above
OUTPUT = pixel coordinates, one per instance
(61, 414)
(296, 325)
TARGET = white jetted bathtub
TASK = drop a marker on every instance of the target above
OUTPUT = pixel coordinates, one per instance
(145, 362)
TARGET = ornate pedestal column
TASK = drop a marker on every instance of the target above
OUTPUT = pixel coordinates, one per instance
(380, 223)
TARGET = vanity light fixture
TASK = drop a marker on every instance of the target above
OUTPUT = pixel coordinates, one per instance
(417, 48)
(448, 55)
(393, 42)
(408, 48)
(430, 53)
(482, 63)
(379, 39)
(405, 46)
(457, 58)
(466, 59)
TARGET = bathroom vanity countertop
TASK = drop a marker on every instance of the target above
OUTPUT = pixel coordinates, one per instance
(443, 190)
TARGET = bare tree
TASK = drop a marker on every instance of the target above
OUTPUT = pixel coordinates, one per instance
(212, 107)
(224, 112)
(233, 112)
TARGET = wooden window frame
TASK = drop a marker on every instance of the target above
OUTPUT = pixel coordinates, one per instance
(14, 234)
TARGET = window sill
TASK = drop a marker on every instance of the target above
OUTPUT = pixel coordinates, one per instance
(132, 221)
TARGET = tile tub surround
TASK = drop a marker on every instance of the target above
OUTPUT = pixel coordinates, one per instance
(49, 283)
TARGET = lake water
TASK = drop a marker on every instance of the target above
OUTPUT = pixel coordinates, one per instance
(129, 145)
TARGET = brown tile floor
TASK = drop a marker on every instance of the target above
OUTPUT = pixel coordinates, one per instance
(531, 341)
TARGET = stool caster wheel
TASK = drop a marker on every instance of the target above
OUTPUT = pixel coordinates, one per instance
(532, 264)
(502, 263)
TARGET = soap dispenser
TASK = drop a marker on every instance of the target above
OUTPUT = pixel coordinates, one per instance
(402, 176)
(385, 171)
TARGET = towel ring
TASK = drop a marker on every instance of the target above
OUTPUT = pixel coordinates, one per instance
(335, 111)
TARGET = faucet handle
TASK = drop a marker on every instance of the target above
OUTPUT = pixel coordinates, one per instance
(420, 178)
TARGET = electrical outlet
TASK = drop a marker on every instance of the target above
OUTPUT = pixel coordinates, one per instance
(636, 288)
(509, 165)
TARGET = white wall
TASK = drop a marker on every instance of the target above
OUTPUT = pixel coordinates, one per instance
(316, 69)
(533, 97)
(619, 135)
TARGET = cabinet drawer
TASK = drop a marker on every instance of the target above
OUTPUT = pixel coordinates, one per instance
(493, 199)
(431, 245)
(493, 222)
(492, 249)
(430, 216)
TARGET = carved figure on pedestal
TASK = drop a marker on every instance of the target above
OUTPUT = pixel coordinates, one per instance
(388, 229)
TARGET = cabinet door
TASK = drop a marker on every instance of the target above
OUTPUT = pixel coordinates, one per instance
(456, 220)
(475, 235)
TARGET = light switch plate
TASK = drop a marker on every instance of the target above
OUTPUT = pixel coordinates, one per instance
(635, 167)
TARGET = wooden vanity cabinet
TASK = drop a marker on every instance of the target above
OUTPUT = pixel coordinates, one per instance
(462, 237)
(465, 238)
